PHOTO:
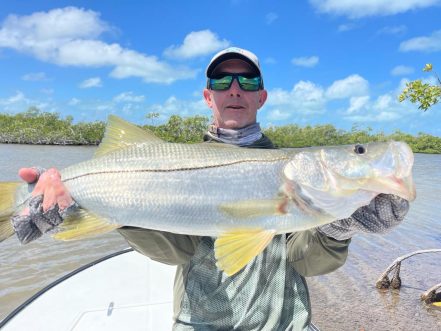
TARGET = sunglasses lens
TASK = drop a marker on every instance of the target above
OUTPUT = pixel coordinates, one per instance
(246, 83)
(249, 84)
(221, 84)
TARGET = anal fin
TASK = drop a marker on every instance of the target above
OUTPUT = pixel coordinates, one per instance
(83, 224)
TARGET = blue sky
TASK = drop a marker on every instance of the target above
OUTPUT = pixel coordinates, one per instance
(324, 61)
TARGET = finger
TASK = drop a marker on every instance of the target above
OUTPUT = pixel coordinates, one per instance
(41, 185)
(45, 181)
(50, 198)
(64, 199)
(55, 192)
(25, 212)
(29, 175)
(60, 192)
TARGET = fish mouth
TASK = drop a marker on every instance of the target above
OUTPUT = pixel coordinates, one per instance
(402, 187)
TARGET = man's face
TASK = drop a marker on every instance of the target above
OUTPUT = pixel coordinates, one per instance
(234, 108)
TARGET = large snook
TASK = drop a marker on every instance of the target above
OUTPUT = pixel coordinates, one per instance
(243, 196)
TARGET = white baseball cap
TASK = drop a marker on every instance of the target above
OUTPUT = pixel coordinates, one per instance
(234, 53)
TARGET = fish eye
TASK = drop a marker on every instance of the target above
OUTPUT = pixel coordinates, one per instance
(359, 149)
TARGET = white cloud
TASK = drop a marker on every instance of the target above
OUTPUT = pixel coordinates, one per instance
(383, 102)
(19, 103)
(18, 97)
(68, 37)
(91, 82)
(350, 86)
(346, 27)
(41, 33)
(402, 85)
(402, 70)
(379, 117)
(74, 102)
(357, 103)
(385, 108)
(174, 105)
(428, 44)
(364, 8)
(270, 18)
(197, 43)
(393, 30)
(308, 62)
(305, 98)
(129, 97)
(278, 115)
(35, 76)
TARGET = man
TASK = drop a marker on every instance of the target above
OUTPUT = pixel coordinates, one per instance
(270, 293)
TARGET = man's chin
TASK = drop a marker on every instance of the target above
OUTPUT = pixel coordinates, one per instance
(235, 124)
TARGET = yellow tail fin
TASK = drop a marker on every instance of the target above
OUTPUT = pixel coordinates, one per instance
(7, 199)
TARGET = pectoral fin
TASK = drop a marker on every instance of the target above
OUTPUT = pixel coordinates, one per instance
(255, 208)
(83, 224)
(236, 248)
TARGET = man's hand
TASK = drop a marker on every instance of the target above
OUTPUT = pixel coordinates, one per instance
(383, 213)
(49, 185)
(50, 203)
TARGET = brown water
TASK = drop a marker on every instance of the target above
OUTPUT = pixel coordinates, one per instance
(343, 300)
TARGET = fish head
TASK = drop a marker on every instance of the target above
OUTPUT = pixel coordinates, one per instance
(352, 172)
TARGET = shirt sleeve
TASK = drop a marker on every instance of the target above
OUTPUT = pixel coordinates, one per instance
(382, 214)
(164, 247)
(313, 253)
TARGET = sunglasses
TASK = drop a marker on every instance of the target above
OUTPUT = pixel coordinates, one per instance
(247, 82)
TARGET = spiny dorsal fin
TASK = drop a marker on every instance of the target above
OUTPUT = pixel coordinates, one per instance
(235, 249)
(83, 224)
(120, 133)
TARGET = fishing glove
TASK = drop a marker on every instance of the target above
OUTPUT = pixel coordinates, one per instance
(32, 226)
(383, 213)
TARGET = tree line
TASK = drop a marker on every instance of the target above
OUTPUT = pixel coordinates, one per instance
(37, 127)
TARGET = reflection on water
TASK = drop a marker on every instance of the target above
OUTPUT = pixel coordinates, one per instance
(343, 300)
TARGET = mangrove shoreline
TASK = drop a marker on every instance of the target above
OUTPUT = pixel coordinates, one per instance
(43, 128)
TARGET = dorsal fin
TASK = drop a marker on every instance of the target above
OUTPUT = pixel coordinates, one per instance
(120, 133)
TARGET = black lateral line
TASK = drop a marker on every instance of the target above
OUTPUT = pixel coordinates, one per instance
(171, 170)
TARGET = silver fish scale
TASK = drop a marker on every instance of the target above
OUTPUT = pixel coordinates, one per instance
(185, 201)
(179, 188)
(167, 157)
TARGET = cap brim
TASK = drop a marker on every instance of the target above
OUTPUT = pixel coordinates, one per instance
(230, 56)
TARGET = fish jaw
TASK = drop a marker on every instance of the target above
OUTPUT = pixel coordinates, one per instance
(402, 187)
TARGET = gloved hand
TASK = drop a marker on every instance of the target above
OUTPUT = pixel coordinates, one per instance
(36, 219)
(382, 214)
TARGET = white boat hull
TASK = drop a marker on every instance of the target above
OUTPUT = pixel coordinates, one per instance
(124, 292)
